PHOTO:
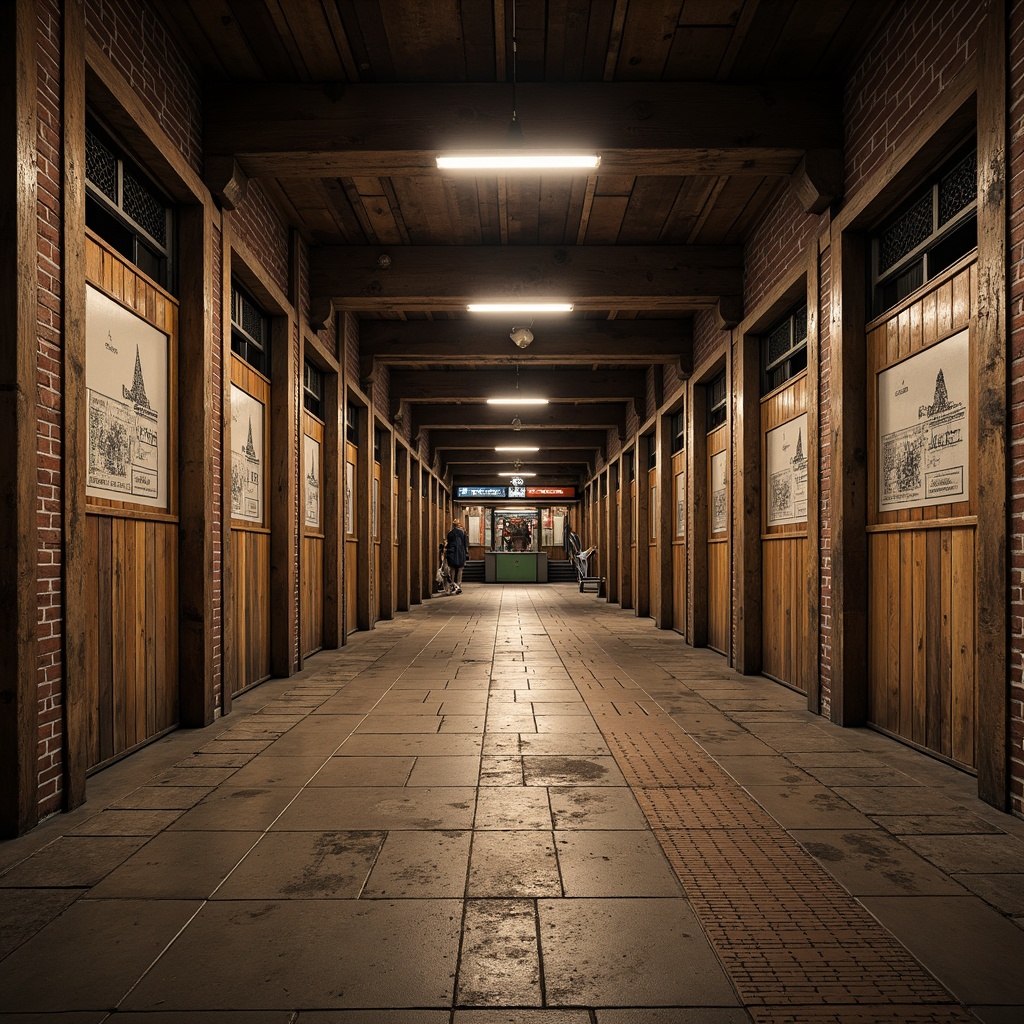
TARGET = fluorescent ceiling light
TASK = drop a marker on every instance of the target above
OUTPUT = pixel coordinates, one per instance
(517, 448)
(520, 307)
(518, 161)
(517, 400)
(516, 472)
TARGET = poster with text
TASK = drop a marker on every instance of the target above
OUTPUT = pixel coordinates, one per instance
(719, 497)
(311, 460)
(246, 456)
(127, 415)
(786, 472)
(680, 505)
(350, 490)
(923, 434)
(374, 532)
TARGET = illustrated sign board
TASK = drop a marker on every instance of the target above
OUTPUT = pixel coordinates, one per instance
(719, 498)
(786, 472)
(680, 504)
(923, 427)
(128, 407)
(311, 456)
(514, 490)
(246, 456)
(480, 492)
(551, 492)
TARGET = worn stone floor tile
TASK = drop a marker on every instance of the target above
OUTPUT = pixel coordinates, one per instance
(571, 771)
(341, 953)
(521, 807)
(384, 723)
(25, 911)
(500, 960)
(628, 952)
(912, 799)
(501, 723)
(445, 771)
(770, 770)
(501, 743)
(102, 946)
(72, 861)
(385, 807)
(368, 1017)
(207, 1017)
(934, 824)
(597, 807)
(725, 740)
(455, 744)
(1003, 891)
(590, 745)
(854, 775)
(870, 862)
(220, 760)
(969, 853)
(193, 775)
(291, 772)
(676, 1015)
(978, 960)
(176, 866)
(420, 865)
(231, 809)
(575, 725)
(162, 798)
(317, 734)
(462, 723)
(364, 771)
(509, 864)
(501, 770)
(619, 863)
(808, 807)
(126, 823)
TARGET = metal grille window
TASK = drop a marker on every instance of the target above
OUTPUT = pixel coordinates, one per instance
(718, 402)
(352, 423)
(652, 452)
(784, 350)
(125, 209)
(250, 331)
(312, 389)
(677, 427)
(929, 233)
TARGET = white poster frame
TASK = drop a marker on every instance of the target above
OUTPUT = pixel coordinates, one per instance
(786, 472)
(248, 433)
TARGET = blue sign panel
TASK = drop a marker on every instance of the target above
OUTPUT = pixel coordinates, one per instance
(480, 492)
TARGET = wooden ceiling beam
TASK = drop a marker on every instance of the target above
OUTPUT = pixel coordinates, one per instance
(552, 417)
(456, 457)
(593, 277)
(557, 341)
(565, 472)
(486, 440)
(639, 128)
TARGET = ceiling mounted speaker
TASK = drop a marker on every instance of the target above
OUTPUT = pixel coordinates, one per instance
(522, 336)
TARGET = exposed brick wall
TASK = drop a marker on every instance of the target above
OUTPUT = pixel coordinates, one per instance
(1016, 375)
(708, 338)
(152, 63)
(914, 57)
(381, 396)
(49, 496)
(259, 225)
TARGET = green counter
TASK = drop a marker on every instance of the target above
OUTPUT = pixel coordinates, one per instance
(515, 567)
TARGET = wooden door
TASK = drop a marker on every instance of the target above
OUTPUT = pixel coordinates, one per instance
(351, 538)
(784, 462)
(653, 540)
(719, 590)
(131, 522)
(375, 535)
(312, 590)
(250, 525)
(679, 499)
(922, 519)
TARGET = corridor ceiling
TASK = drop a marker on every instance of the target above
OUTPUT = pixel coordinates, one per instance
(702, 111)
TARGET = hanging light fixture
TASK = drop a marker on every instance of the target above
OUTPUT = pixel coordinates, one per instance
(516, 399)
(515, 157)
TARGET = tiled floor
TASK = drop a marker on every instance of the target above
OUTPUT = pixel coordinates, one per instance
(518, 806)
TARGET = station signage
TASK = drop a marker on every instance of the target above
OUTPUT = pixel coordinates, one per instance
(514, 490)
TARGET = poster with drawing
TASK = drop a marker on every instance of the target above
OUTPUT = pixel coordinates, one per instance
(653, 514)
(127, 417)
(246, 456)
(311, 460)
(680, 505)
(374, 533)
(719, 497)
(786, 472)
(923, 435)
(350, 490)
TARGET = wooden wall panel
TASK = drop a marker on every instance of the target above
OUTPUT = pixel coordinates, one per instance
(719, 560)
(922, 600)
(784, 621)
(311, 591)
(678, 543)
(654, 496)
(351, 538)
(376, 531)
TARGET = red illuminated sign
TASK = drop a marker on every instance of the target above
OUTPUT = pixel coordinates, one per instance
(551, 492)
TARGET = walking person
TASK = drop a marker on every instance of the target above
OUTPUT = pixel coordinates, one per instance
(456, 552)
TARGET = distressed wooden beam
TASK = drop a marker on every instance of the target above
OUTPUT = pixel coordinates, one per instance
(818, 181)
(337, 130)
(547, 440)
(439, 278)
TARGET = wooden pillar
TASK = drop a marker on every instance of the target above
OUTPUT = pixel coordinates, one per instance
(746, 477)
(19, 537)
(991, 397)
(415, 531)
(284, 492)
(663, 614)
(365, 583)
(697, 531)
(812, 651)
(385, 514)
(403, 529)
(848, 480)
(611, 574)
(228, 651)
(334, 513)
(642, 578)
(626, 463)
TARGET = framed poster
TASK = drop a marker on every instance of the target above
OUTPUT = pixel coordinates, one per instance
(247, 433)
(719, 497)
(373, 510)
(128, 405)
(311, 460)
(680, 505)
(786, 472)
(350, 490)
(923, 440)
(652, 514)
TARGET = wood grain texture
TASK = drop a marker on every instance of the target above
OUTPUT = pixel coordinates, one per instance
(719, 571)
(311, 593)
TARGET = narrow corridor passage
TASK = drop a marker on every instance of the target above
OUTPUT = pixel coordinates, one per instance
(520, 804)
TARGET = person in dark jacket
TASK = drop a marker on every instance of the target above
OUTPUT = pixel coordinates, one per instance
(456, 552)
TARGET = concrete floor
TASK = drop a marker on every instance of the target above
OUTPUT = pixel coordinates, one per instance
(519, 805)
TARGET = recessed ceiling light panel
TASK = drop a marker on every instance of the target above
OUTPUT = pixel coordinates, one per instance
(518, 161)
(525, 306)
